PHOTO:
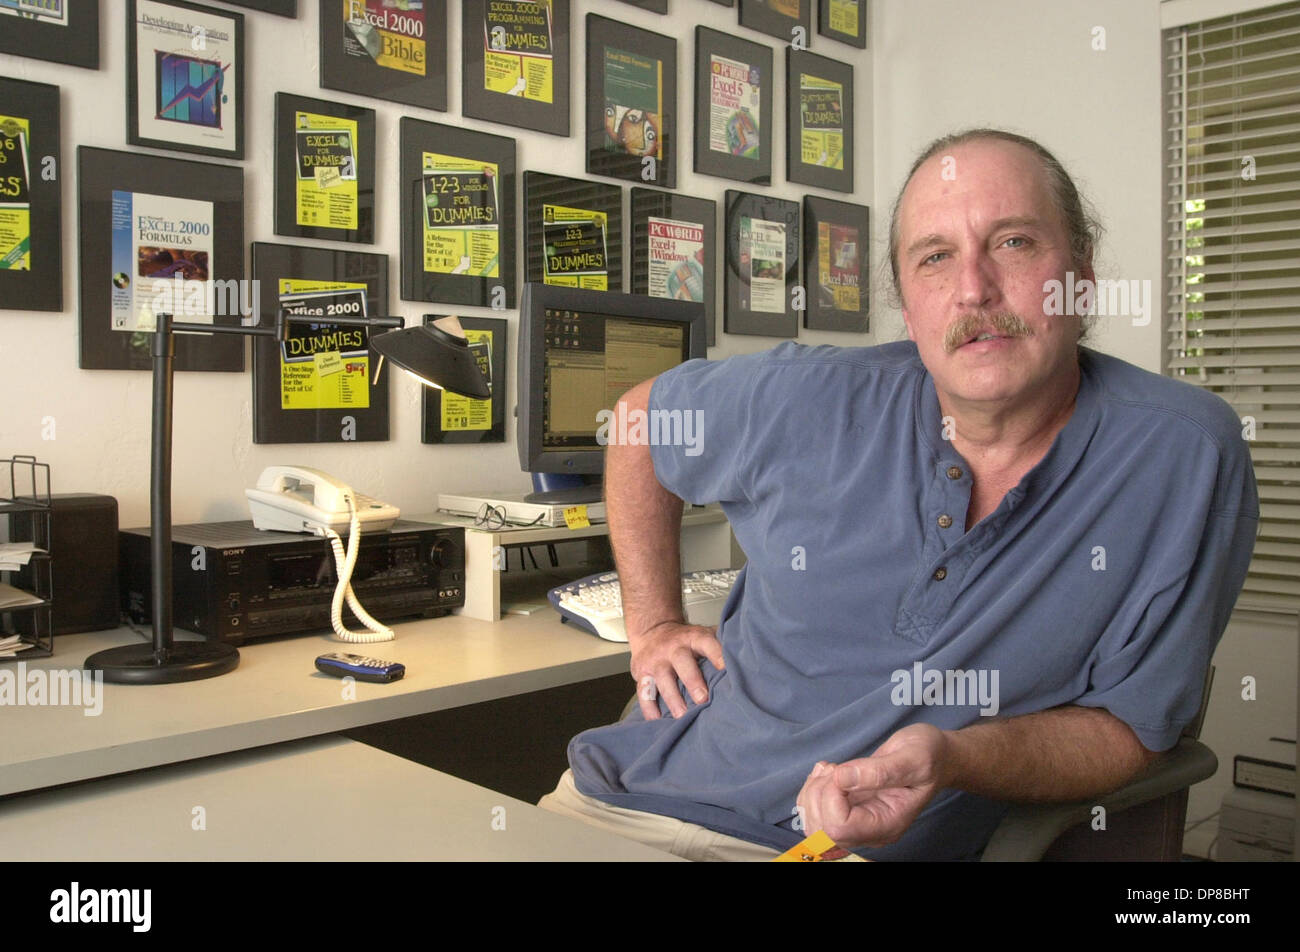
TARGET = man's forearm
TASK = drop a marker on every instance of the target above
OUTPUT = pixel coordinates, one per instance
(1066, 753)
(645, 531)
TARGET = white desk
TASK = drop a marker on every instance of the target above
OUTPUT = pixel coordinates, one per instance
(277, 695)
(303, 800)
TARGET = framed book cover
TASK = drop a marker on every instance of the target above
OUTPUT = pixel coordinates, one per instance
(674, 250)
(836, 275)
(59, 31)
(318, 386)
(515, 63)
(762, 264)
(281, 8)
(779, 18)
(452, 418)
(573, 232)
(734, 87)
(159, 236)
(458, 215)
(31, 213)
(185, 78)
(378, 48)
(843, 20)
(631, 103)
(819, 121)
(324, 169)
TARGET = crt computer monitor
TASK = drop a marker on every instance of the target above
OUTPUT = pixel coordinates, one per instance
(579, 351)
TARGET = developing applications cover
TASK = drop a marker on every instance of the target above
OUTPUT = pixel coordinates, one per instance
(837, 257)
(190, 85)
(15, 194)
(161, 257)
(735, 89)
(634, 92)
(462, 222)
(518, 49)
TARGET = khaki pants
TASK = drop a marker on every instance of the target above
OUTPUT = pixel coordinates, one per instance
(662, 832)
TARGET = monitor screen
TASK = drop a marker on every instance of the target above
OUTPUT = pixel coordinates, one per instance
(580, 351)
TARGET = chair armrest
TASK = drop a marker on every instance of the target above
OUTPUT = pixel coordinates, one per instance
(1028, 829)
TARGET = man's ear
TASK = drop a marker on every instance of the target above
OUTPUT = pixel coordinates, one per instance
(907, 320)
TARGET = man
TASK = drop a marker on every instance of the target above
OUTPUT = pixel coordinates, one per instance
(985, 565)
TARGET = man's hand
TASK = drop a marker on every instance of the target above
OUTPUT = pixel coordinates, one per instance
(667, 652)
(872, 801)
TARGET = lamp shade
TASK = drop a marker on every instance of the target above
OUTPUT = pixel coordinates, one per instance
(436, 357)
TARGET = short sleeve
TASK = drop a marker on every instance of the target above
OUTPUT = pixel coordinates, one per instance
(1153, 681)
(699, 427)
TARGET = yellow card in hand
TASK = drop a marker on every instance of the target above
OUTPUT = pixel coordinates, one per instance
(817, 848)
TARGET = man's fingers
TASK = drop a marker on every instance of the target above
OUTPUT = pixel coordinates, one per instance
(688, 669)
(877, 772)
(707, 644)
(647, 696)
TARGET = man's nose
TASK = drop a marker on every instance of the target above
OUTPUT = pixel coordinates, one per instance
(977, 281)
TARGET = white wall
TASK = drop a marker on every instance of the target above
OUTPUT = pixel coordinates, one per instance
(102, 417)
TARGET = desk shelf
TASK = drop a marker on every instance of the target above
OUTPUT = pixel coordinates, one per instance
(37, 577)
(706, 544)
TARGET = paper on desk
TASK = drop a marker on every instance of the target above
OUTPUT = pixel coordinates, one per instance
(11, 646)
(13, 555)
(11, 597)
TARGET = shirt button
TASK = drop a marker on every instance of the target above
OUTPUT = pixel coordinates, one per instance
(954, 472)
(945, 521)
(940, 574)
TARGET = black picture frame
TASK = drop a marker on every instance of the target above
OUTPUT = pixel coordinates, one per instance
(836, 278)
(770, 17)
(312, 136)
(333, 270)
(31, 219)
(281, 8)
(835, 16)
(471, 421)
(73, 41)
(742, 160)
(750, 308)
(109, 288)
(163, 109)
(725, 3)
(653, 6)
(460, 158)
(533, 107)
(817, 86)
(349, 51)
(695, 277)
(631, 71)
(597, 207)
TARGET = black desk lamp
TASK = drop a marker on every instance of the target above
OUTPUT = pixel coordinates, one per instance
(430, 354)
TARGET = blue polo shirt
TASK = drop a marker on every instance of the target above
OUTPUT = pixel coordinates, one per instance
(1104, 579)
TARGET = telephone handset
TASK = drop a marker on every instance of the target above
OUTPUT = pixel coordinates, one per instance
(301, 499)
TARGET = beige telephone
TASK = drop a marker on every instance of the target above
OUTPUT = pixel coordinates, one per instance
(301, 499)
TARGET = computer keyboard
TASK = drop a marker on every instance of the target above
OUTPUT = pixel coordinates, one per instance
(596, 603)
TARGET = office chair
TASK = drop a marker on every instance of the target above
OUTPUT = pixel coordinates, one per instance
(1144, 819)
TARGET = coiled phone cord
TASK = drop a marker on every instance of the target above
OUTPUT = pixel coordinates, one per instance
(344, 564)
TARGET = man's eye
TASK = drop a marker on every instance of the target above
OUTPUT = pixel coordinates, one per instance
(1022, 242)
(934, 258)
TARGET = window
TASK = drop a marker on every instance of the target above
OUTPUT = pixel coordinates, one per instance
(1232, 254)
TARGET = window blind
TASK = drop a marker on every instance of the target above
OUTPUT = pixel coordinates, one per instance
(1232, 254)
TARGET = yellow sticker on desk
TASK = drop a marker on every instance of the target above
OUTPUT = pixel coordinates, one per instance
(818, 848)
(575, 517)
(328, 362)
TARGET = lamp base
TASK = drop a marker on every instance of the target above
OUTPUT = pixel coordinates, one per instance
(183, 661)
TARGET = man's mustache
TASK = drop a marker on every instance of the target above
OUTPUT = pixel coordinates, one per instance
(1002, 323)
